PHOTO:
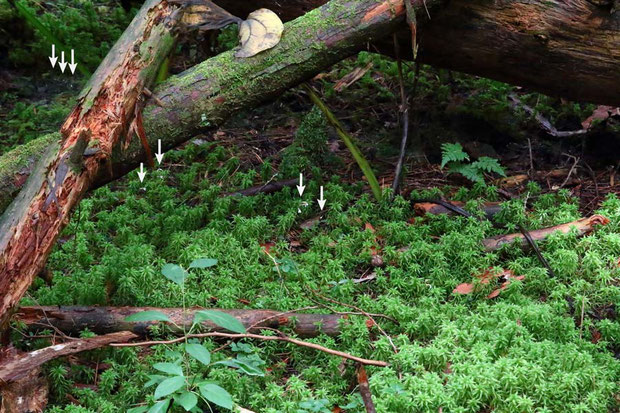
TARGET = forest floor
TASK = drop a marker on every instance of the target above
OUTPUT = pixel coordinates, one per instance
(544, 344)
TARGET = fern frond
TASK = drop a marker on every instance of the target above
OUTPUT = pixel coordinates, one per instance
(452, 152)
(487, 164)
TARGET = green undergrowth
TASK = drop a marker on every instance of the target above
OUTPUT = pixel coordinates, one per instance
(524, 351)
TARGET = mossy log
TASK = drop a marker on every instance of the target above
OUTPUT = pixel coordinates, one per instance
(213, 90)
(566, 48)
(107, 110)
(104, 320)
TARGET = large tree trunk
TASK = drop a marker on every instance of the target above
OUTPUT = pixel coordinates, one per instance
(567, 48)
(104, 320)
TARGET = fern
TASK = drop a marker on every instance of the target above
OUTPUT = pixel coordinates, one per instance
(469, 171)
(484, 163)
(453, 156)
(452, 152)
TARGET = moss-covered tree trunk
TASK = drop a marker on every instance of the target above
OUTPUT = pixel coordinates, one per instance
(567, 48)
(107, 109)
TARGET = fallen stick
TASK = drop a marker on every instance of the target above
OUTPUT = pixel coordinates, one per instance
(362, 380)
(367, 362)
(15, 368)
(267, 188)
(422, 208)
(102, 320)
(583, 226)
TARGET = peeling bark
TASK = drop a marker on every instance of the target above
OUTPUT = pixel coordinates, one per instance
(18, 367)
(103, 320)
(26, 395)
(104, 114)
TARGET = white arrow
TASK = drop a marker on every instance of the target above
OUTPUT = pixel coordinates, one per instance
(301, 186)
(53, 58)
(159, 155)
(321, 200)
(62, 63)
(141, 174)
(72, 65)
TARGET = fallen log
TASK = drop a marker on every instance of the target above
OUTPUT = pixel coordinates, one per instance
(583, 226)
(18, 367)
(72, 320)
(564, 48)
(108, 110)
(34, 220)
(570, 49)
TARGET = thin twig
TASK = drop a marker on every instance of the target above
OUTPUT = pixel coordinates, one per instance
(570, 172)
(363, 312)
(287, 339)
(404, 113)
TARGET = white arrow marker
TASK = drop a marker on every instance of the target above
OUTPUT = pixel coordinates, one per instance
(141, 174)
(53, 58)
(301, 186)
(159, 155)
(321, 200)
(62, 63)
(72, 65)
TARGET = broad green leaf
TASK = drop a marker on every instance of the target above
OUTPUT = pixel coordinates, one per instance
(174, 273)
(169, 368)
(160, 407)
(139, 409)
(221, 319)
(216, 395)
(169, 386)
(187, 400)
(199, 352)
(154, 379)
(150, 315)
(242, 366)
(203, 263)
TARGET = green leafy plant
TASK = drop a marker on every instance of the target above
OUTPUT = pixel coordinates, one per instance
(456, 159)
(176, 383)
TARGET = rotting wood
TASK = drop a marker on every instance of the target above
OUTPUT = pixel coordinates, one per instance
(583, 226)
(103, 320)
(18, 367)
(105, 113)
(26, 395)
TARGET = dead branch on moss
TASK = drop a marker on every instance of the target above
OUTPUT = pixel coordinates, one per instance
(583, 226)
(283, 338)
(102, 320)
